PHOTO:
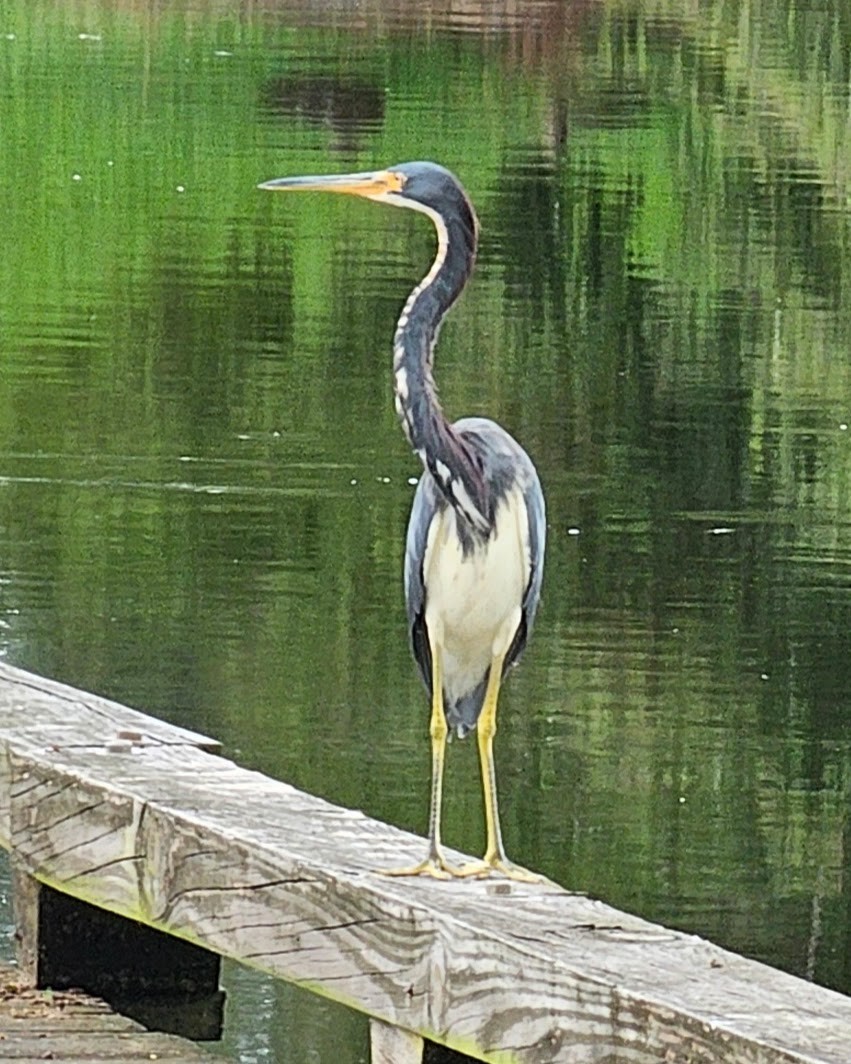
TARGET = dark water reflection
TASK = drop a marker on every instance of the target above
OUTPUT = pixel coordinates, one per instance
(203, 490)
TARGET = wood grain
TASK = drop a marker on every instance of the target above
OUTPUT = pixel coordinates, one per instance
(250, 867)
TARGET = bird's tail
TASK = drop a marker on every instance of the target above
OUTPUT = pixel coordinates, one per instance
(462, 715)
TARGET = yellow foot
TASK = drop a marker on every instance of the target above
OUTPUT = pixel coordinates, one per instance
(436, 867)
(501, 866)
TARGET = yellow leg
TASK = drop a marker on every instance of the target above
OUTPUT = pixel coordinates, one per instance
(435, 863)
(494, 859)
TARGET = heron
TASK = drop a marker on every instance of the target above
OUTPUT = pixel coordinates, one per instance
(474, 549)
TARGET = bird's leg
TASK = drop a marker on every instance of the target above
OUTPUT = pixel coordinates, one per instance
(494, 859)
(435, 863)
(494, 851)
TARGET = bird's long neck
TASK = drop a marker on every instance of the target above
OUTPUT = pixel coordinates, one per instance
(444, 453)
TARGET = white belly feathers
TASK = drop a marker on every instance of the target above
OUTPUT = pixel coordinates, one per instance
(474, 602)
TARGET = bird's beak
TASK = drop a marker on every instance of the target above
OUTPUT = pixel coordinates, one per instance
(372, 184)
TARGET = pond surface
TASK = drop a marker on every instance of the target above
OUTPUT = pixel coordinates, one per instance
(204, 489)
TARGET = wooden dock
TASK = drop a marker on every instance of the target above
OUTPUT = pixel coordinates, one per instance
(109, 813)
(67, 1028)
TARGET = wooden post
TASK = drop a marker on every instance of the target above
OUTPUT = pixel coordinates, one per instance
(393, 1045)
(165, 983)
(25, 897)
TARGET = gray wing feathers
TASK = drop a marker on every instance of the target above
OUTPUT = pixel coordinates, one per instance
(423, 510)
(533, 496)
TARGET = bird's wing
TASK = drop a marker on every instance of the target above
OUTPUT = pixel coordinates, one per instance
(424, 508)
(533, 497)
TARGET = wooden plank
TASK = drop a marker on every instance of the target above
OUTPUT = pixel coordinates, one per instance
(66, 1027)
(44, 713)
(40, 710)
(256, 870)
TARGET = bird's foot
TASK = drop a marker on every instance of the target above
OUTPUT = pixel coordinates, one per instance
(498, 865)
(435, 865)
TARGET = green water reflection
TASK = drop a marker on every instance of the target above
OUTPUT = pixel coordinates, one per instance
(203, 488)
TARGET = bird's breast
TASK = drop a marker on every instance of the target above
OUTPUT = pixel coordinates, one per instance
(473, 597)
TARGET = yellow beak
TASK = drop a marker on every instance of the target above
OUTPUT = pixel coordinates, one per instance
(370, 184)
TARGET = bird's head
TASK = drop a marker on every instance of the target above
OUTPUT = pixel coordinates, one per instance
(423, 186)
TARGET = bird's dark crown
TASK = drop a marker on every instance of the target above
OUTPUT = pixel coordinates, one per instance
(428, 183)
(434, 187)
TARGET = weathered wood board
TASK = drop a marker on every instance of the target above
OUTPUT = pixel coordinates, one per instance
(66, 1028)
(162, 831)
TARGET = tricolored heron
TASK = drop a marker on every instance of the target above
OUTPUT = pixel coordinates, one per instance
(475, 545)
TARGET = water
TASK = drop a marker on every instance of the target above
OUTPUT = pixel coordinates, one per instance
(203, 487)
